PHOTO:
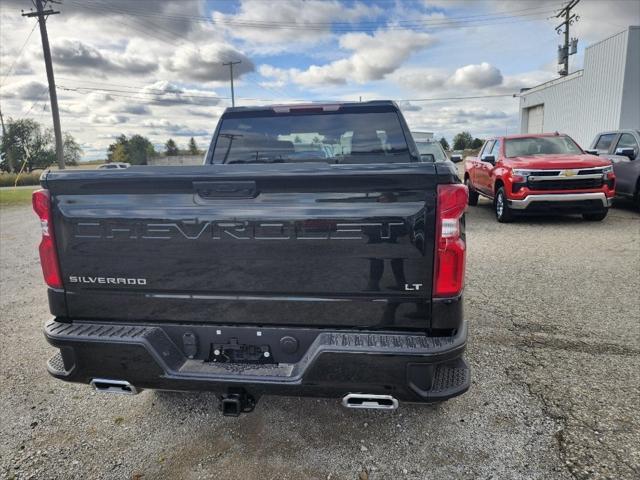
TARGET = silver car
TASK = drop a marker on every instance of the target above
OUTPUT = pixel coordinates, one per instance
(622, 147)
(114, 166)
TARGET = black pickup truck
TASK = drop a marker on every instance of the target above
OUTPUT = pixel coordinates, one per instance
(313, 254)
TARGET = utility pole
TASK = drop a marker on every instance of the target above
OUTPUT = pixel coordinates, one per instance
(230, 65)
(42, 15)
(569, 47)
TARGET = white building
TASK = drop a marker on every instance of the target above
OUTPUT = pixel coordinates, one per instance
(604, 95)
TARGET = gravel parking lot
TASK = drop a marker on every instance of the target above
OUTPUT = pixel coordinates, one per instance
(555, 351)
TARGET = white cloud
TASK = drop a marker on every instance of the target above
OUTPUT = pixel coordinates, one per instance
(108, 119)
(73, 108)
(172, 128)
(473, 79)
(477, 76)
(205, 63)
(28, 90)
(133, 109)
(291, 23)
(77, 56)
(374, 57)
(421, 79)
(167, 93)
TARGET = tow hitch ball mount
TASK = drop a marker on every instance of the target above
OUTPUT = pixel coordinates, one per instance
(235, 402)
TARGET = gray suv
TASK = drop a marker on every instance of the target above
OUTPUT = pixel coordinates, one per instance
(622, 147)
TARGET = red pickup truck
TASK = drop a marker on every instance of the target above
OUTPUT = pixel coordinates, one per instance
(547, 173)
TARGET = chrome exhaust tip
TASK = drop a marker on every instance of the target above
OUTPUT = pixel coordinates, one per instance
(376, 402)
(119, 387)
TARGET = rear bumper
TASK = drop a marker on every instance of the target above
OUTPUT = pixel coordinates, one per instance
(410, 367)
(579, 202)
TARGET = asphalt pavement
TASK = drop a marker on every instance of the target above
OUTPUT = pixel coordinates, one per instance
(554, 346)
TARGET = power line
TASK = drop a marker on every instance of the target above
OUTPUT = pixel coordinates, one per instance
(37, 100)
(432, 99)
(158, 93)
(135, 87)
(473, 97)
(15, 61)
(131, 94)
(451, 22)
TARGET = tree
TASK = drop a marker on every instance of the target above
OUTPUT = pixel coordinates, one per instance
(477, 143)
(445, 144)
(171, 148)
(462, 140)
(27, 146)
(135, 150)
(119, 146)
(72, 151)
(140, 149)
(119, 154)
(193, 148)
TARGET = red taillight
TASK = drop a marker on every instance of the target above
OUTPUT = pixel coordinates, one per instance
(450, 246)
(48, 255)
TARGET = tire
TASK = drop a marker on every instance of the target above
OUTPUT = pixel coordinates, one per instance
(473, 195)
(503, 212)
(595, 217)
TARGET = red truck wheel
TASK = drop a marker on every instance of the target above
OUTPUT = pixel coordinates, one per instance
(504, 214)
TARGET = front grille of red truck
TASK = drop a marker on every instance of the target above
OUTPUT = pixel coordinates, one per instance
(572, 184)
(568, 179)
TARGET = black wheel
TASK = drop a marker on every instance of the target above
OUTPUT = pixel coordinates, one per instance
(473, 195)
(503, 212)
(595, 217)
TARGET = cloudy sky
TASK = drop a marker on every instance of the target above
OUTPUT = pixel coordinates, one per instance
(155, 67)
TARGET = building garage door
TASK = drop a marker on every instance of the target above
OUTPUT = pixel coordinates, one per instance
(535, 119)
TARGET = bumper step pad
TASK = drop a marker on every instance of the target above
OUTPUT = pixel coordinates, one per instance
(449, 379)
(56, 366)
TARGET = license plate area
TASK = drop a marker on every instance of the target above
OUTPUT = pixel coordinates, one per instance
(236, 352)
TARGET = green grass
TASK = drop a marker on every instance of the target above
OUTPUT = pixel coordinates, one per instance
(10, 197)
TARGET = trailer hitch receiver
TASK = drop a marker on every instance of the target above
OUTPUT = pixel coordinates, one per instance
(235, 402)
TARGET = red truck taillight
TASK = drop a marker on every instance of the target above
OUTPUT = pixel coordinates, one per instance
(48, 255)
(450, 246)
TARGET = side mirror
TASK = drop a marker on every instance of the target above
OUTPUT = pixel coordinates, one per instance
(626, 152)
(427, 157)
(489, 159)
(591, 151)
(456, 158)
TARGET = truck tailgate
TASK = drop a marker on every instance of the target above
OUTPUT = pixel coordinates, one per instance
(279, 244)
